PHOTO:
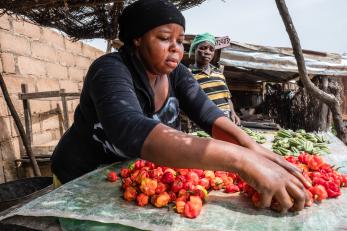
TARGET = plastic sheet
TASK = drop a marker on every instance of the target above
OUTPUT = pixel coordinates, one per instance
(92, 203)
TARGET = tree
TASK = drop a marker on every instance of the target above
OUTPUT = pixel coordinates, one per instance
(312, 90)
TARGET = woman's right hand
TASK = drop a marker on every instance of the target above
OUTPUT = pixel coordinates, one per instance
(273, 181)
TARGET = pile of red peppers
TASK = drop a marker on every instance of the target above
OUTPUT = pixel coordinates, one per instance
(145, 183)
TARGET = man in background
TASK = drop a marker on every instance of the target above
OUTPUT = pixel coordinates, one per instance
(210, 78)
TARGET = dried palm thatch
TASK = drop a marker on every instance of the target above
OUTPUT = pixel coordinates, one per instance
(80, 19)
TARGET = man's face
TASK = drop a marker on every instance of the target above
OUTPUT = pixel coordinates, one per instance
(204, 53)
(161, 49)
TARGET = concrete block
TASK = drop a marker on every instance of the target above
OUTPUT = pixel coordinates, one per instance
(82, 62)
(7, 150)
(73, 47)
(53, 38)
(27, 29)
(8, 63)
(3, 107)
(5, 128)
(14, 44)
(4, 22)
(47, 85)
(68, 85)
(30, 66)
(44, 52)
(56, 71)
(42, 137)
(66, 58)
(50, 123)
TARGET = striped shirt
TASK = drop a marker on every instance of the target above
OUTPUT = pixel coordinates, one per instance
(214, 85)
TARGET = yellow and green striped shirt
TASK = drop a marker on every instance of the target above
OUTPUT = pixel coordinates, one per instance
(214, 85)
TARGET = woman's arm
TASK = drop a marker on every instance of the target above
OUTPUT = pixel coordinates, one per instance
(168, 147)
(224, 129)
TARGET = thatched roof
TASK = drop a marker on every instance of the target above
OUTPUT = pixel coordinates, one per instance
(80, 19)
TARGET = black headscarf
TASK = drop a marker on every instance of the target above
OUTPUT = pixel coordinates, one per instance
(144, 15)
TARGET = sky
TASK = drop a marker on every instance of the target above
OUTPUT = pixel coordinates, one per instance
(320, 24)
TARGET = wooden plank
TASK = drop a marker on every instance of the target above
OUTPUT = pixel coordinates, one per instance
(37, 95)
(70, 94)
(47, 94)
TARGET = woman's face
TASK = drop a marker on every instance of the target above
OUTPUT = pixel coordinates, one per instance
(204, 53)
(161, 49)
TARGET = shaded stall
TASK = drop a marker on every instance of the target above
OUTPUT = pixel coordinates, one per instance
(249, 68)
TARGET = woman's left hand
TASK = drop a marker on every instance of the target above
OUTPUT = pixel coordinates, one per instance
(284, 163)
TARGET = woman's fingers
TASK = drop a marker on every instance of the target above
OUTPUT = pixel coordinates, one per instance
(265, 200)
(284, 200)
(298, 191)
(295, 171)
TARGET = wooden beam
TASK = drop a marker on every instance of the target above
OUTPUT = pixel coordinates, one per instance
(47, 94)
(37, 95)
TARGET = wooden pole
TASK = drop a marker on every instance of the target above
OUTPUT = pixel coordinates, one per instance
(27, 114)
(65, 110)
(314, 91)
(19, 125)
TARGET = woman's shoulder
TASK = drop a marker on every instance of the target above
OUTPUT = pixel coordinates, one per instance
(113, 58)
(109, 64)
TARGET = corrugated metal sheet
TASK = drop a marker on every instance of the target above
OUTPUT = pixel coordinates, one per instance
(281, 60)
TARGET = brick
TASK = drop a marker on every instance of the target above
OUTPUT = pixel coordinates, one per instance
(10, 171)
(47, 85)
(82, 62)
(42, 51)
(3, 107)
(18, 104)
(66, 58)
(42, 137)
(15, 44)
(1, 68)
(36, 125)
(50, 123)
(13, 84)
(69, 85)
(53, 38)
(76, 74)
(56, 134)
(74, 104)
(18, 148)
(7, 150)
(88, 51)
(5, 128)
(8, 63)
(56, 71)
(14, 129)
(99, 53)
(80, 86)
(71, 118)
(27, 29)
(30, 66)
(73, 47)
(39, 106)
(4, 22)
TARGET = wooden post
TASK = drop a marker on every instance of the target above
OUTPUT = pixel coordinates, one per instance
(27, 114)
(65, 109)
(61, 120)
(19, 125)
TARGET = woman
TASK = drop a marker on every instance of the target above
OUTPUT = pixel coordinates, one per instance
(129, 108)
